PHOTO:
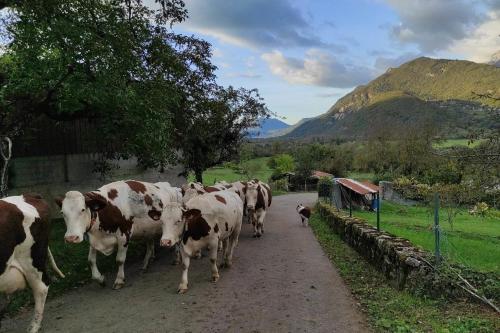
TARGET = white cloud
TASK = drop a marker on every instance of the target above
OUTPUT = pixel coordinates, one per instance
(434, 24)
(480, 45)
(317, 68)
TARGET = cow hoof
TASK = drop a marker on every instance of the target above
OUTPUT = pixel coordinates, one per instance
(254, 236)
(175, 262)
(228, 264)
(144, 270)
(259, 235)
(182, 289)
(215, 278)
(118, 285)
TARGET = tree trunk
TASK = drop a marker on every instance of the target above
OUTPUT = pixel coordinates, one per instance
(199, 176)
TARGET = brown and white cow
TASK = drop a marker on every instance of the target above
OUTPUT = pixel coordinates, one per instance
(206, 220)
(113, 215)
(304, 213)
(24, 250)
(258, 199)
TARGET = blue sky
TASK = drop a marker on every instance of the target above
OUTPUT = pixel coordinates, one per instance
(303, 55)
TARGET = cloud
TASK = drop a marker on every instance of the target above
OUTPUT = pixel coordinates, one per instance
(246, 75)
(434, 25)
(483, 41)
(255, 24)
(383, 63)
(331, 95)
(317, 68)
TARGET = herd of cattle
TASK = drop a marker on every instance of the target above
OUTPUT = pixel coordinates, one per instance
(190, 219)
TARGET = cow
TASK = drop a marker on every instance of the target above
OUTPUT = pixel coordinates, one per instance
(24, 250)
(112, 216)
(258, 199)
(304, 213)
(206, 220)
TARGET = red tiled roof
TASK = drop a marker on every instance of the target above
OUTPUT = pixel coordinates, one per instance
(358, 187)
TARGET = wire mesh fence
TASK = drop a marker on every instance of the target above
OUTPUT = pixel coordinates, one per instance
(449, 231)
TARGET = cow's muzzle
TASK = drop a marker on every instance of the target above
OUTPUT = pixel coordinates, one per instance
(72, 239)
(166, 242)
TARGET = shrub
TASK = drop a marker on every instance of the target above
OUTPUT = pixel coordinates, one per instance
(325, 186)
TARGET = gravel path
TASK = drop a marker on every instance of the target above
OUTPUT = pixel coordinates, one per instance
(282, 282)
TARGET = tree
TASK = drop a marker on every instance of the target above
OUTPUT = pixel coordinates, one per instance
(219, 122)
(116, 62)
(284, 163)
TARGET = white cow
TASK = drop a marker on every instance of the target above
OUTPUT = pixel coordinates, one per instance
(24, 250)
(258, 199)
(204, 221)
(113, 215)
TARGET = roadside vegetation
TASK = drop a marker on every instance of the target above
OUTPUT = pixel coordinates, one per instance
(72, 260)
(471, 240)
(390, 310)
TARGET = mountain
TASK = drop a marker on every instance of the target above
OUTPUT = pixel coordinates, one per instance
(267, 127)
(289, 129)
(450, 94)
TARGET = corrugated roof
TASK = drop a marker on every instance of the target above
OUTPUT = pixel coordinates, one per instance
(319, 174)
(358, 187)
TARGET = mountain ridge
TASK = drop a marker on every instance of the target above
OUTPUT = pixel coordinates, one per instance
(449, 93)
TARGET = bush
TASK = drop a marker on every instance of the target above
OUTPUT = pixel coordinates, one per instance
(325, 186)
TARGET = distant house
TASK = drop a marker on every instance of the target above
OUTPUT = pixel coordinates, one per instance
(320, 174)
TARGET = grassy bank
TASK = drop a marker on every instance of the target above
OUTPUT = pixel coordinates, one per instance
(72, 260)
(473, 241)
(389, 310)
(258, 166)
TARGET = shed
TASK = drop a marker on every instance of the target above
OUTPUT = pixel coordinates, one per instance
(361, 194)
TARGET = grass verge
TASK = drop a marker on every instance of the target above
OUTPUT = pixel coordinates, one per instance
(72, 260)
(390, 310)
(472, 240)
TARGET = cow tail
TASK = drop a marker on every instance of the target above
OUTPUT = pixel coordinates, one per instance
(53, 264)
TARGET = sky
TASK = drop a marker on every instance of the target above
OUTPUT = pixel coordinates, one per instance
(303, 55)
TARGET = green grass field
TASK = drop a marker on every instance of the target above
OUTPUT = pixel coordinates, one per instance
(473, 241)
(257, 166)
(390, 310)
(457, 143)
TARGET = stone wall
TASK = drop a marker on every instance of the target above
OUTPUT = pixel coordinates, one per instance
(396, 257)
(52, 176)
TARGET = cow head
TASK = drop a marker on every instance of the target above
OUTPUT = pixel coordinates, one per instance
(78, 210)
(172, 224)
(251, 195)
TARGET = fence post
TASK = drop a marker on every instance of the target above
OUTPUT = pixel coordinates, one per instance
(378, 210)
(437, 231)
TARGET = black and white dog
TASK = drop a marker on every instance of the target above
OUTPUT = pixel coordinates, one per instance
(304, 213)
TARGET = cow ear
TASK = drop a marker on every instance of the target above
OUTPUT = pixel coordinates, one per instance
(59, 202)
(95, 201)
(192, 186)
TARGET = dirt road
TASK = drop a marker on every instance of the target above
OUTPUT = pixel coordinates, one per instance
(281, 282)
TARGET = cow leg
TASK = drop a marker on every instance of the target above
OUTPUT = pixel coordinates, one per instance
(306, 222)
(40, 291)
(121, 255)
(150, 248)
(177, 259)
(232, 242)
(224, 251)
(183, 286)
(96, 275)
(260, 223)
(214, 245)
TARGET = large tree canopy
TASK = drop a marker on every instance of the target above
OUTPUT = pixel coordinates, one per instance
(119, 63)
